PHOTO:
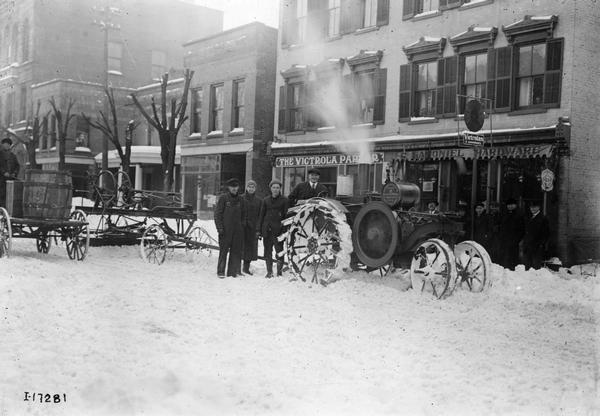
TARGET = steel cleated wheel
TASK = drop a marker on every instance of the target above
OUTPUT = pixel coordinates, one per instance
(318, 243)
(198, 240)
(473, 264)
(5, 233)
(77, 236)
(433, 268)
(154, 244)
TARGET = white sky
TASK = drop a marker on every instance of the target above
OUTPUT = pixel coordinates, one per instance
(240, 12)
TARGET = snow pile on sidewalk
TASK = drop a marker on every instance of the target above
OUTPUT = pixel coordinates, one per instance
(122, 337)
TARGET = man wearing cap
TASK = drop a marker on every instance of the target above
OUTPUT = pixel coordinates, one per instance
(307, 190)
(537, 231)
(9, 167)
(272, 212)
(253, 204)
(512, 228)
(230, 217)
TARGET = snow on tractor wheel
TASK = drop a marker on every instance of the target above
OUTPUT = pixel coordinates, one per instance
(433, 268)
(473, 264)
(318, 242)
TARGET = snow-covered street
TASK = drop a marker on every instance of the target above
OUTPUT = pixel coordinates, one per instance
(118, 336)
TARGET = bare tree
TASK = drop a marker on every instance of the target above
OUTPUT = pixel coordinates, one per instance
(109, 126)
(167, 127)
(62, 121)
(31, 136)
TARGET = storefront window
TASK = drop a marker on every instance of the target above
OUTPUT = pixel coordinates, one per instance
(425, 175)
(200, 173)
(292, 177)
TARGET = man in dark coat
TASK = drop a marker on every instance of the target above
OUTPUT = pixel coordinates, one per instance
(253, 204)
(230, 217)
(272, 212)
(307, 190)
(9, 167)
(537, 231)
(481, 226)
(512, 228)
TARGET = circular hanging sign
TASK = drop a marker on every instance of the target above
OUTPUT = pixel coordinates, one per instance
(474, 115)
(547, 180)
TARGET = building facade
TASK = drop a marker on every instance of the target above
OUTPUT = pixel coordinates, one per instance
(231, 111)
(59, 49)
(470, 100)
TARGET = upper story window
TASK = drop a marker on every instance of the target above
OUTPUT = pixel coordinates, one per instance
(367, 88)
(115, 56)
(292, 99)
(425, 90)
(197, 98)
(239, 98)
(334, 13)
(216, 100)
(7, 42)
(159, 64)
(14, 43)
(301, 20)
(25, 40)
(530, 75)
(370, 13)
(295, 101)
(423, 6)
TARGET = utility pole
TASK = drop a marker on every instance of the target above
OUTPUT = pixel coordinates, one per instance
(106, 25)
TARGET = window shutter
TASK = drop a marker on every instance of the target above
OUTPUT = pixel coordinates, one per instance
(503, 77)
(383, 12)
(350, 101)
(281, 114)
(405, 95)
(443, 4)
(491, 79)
(450, 83)
(288, 25)
(439, 95)
(553, 74)
(311, 118)
(408, 10)
(379, 99)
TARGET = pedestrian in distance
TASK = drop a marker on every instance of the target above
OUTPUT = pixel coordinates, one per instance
(272, 212)
(481, 226)
(9, 167)
(310, 189)
(253, 204)
(512, 229)
(433, 207)
(230, 217)
(537, 231)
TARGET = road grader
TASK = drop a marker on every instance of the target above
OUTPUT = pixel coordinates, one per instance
(325, 237)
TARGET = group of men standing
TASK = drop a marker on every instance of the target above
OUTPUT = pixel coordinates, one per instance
(9, 167)
(242, 219)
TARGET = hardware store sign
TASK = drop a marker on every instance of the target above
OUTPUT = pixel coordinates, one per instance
(325, 160)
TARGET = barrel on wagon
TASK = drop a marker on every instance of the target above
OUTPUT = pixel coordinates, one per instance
(47, 194)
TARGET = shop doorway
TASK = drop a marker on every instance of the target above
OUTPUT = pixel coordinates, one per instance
(233, 165)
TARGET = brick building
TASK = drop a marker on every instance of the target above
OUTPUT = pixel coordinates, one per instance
(56, 49)
(371, 90)
(231, 111)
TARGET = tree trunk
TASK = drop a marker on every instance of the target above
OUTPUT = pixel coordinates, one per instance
(31, 156)
(61, 153)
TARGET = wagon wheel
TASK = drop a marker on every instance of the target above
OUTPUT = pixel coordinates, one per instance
(105, 189)
(473, 264)
(433, 268)
(77, 236)
(43, 242)
(125, 188)
(153, 245)
(318, 243)
(198, 239)
(5, 233)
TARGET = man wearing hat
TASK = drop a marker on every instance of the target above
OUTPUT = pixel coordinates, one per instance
(230, 217)
(9, 167)
(512, 228)
(272, 212)
(307, 190)
(253, 204)
(537, 231)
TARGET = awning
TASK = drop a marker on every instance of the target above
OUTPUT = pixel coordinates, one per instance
(145, 155)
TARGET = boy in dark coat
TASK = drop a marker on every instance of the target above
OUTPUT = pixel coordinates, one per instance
(307, 190)
(230, 217)
(272, 212)
(9, 167)
(512, 228)
(537, 230)
(253, 204)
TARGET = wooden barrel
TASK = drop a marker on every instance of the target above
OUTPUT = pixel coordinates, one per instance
(47, 194)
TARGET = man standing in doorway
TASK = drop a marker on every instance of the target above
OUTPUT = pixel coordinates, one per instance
(307, 190)
(9, 167)
(537, 230)
(512, 229)
(230, 217)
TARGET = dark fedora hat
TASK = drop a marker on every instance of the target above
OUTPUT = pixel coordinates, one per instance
(314, 171)
(511, 201)
(233, 182)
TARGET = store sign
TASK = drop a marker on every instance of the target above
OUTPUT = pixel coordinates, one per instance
(468, 138)
(513, 152)
(327, 160)
(547, 180)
